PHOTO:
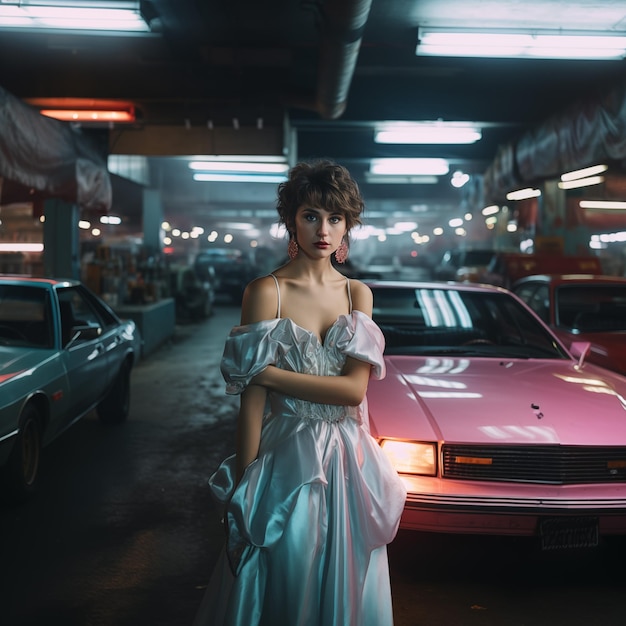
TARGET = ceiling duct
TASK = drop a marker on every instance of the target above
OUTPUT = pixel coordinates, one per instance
(587, 133)
(343, 24)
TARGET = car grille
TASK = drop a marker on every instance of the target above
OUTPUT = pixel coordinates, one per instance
(559, 465)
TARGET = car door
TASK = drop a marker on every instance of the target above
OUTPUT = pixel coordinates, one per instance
(85, 359)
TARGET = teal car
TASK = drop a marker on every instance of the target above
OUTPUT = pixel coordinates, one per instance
(63, 353)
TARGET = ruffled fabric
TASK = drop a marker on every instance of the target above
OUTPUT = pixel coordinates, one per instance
(309, 522)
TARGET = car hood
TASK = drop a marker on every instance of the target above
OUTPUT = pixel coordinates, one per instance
(15, 360)
(498, 401)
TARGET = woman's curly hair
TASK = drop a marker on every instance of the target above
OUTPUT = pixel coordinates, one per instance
(321, 184)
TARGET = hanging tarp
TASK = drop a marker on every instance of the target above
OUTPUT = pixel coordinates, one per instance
(587, 133)
(52, 157)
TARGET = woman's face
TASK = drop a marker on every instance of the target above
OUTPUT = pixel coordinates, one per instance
(318, 231)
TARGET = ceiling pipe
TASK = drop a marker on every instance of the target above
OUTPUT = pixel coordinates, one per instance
(343, 24)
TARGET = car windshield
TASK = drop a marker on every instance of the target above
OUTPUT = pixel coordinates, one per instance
(433, 321)
(591, 308)
(25, 318)
(478, 257)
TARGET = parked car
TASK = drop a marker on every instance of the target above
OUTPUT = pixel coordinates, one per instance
(506, 268)
(463, 265)
(63, 352)
(231, 269)
(194, 297)
(495, 426)
(416, 267)
(582, 307)
(387, 266)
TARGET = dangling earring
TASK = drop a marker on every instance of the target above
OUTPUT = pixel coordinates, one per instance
(292, 248)
(341, 253)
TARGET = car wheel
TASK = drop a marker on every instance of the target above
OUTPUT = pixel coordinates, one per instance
(114, 407)
(22, 469)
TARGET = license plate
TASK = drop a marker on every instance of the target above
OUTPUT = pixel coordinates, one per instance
(568, 532)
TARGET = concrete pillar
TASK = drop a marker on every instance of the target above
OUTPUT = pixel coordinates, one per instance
(152, 220)
(60, 239)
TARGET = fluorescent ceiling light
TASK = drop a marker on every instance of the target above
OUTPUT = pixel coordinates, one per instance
(581, 182)
(583, 173)
(239, 178)
(545, 44)
(603, 204)
(239, 167)
(410, 167)
(73, 15)
(523, 194)
(437, 132)
(391, 179)
(21, 247)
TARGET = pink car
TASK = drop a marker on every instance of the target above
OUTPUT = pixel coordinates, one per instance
(582, 307)
(496, 426)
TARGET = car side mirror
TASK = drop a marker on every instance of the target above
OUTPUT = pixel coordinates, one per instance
(579, 350)
(84, 332)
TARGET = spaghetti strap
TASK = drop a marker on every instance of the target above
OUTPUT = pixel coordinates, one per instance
(349, 296)
(278, 292)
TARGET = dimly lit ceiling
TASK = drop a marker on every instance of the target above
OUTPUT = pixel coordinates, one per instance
(331, 69)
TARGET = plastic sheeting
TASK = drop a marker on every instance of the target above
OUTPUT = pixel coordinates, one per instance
(52, 157)
(586, 134)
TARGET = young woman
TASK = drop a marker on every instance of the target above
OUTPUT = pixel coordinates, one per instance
(311, 501)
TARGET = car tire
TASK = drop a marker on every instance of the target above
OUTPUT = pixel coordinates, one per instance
(115, 406)
(22, 469)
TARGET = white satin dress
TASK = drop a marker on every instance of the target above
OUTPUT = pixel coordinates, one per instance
(309, 523)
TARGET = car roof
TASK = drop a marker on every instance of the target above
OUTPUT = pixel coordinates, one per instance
(41, 281)
(572, 278)
(446, 285)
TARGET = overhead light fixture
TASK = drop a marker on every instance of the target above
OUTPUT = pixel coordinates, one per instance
(611, 205)
(436, 132)
(240, 169)
(583, 173)
(531, 43)
(238, 178)
(85, 110)
(581, 182)
(410, 167)
(523, 194)
(21, 247)
(391, 179)
(73, 15)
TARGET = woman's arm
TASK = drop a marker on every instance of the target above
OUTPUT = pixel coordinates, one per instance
(249, 423)
(257, 305)
(348, 388)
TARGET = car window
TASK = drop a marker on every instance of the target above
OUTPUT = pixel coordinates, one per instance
(537, 296)
(591, 307)
(478, 257)
(25, 316)
(77, 308)
(436, 321)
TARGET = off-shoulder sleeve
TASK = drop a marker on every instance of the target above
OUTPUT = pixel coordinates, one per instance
(363, 340)
(249, 349)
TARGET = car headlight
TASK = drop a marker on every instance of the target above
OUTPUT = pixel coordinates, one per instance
(411, 457)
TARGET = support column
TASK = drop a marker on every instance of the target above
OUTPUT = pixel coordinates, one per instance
(152, 220)
(60, 239)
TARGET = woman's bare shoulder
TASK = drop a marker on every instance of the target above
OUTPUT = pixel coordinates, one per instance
(362, 298)
(260, 300)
